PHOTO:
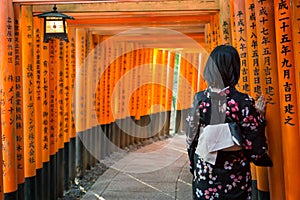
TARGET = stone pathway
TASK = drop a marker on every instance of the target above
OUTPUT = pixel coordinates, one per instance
(156, 171)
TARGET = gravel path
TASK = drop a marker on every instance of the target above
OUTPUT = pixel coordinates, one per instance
(82, 185)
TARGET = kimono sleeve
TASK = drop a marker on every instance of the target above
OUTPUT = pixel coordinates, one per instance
(253, 128)
(192, 122)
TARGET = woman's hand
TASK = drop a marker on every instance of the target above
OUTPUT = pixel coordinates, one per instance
(261, 105)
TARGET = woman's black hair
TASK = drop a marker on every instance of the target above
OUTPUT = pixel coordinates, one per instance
(223, 67)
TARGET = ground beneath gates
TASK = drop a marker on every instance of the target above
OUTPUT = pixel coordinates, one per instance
(156, 171)
(82, 185)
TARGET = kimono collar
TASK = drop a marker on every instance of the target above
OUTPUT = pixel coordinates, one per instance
(215, 90)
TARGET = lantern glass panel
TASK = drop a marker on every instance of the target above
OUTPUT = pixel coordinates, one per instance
(54, 25)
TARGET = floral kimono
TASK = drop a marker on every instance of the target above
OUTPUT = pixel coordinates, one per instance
(230, 177)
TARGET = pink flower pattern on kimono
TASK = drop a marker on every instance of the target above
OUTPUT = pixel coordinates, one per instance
(232, 110)
(232, 170)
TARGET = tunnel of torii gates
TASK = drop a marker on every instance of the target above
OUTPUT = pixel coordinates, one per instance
(127, 66)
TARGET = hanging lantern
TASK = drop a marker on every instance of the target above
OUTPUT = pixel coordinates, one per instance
(55, 25)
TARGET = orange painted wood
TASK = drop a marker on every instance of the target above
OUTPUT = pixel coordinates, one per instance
(157, 75)
(55, 93)
(296, 43)
(270, 89)
(189, 76)
(80, 80)
(218, 28)
(96, 41)
(52, 97)
(67, 93)
(252, 50)
(129, 5)
(95, 78)
(195, 64)
(186, 77)
(199, 69)
(262, 179)
(84, 69)
(215, 22)
(28, 92)
(189, 91)
(7, 92)
(109, 82)
(134, 75)
(151, 86)
(19, 96)
(182, 82)
(137, 20)
(90, 81)
(129, 106)
(137, 90)
(131, 84)
(202, 62)
(102, 82)
(186, 93)
(254, 77)
(164, 82)
(146, 88)
(130, 92)
(241, 37)
(132, 81)
(37, 42)
(45, 99)
(253, 172)
(60, 71)
(98, 90)
(140, 95)
(208, 37)
(288, 98)
(72, 61)
(147, 75)
(116, 92)
(170, 81)
(155, 88)
(225, 26)
(122, 70)
(142, 64)
(108, 70)
(158, 80)
(194, 68)
(104, 78)
(1, 169)
(120, 74)
(233, 24)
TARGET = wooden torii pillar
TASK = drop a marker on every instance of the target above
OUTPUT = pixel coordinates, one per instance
(288, 98)
(269, 86)
(28, 101)
(7, 94)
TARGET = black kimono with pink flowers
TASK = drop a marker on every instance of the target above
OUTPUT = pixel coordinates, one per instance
(230, 177)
